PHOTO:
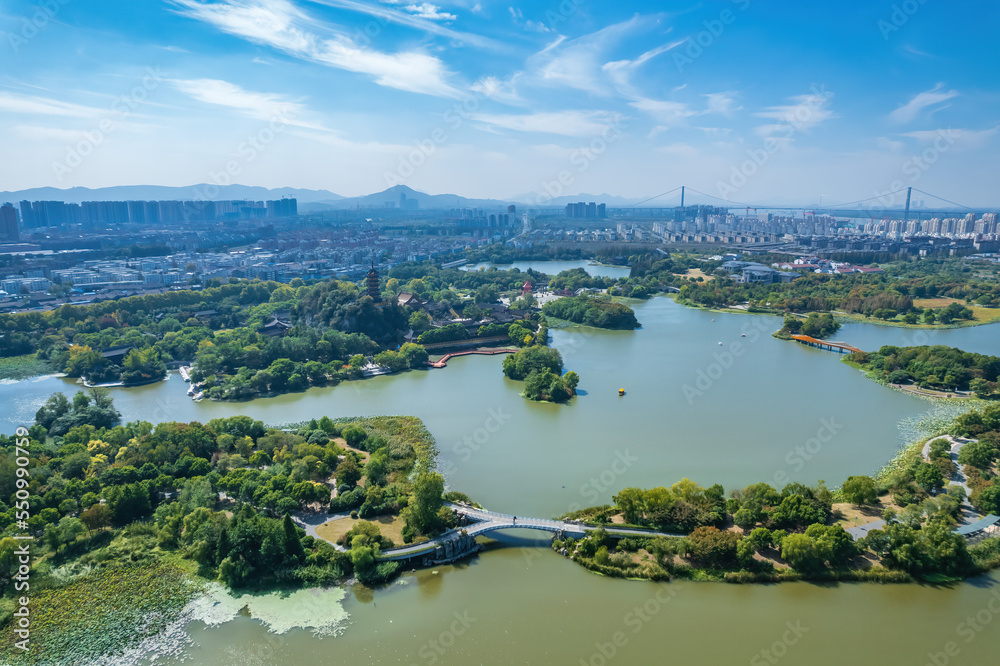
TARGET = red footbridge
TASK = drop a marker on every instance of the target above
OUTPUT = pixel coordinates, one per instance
(443, 361)
(829, 345)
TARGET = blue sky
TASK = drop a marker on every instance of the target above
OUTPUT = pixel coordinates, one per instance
(750, 100)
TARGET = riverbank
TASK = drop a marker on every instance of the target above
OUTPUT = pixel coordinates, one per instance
(26, 366)
(981, 320)
(770, 558)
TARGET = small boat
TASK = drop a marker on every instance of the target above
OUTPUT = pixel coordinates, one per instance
(621, 391)
(743, 335)
(720, 344)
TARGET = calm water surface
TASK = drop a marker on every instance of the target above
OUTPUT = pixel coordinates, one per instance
(752, 409)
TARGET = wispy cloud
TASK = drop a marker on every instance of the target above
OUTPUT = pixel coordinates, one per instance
(424, 10)
(722, 103)
(277, 23)
(806, 112)
(500, 90)
(414, 17)
(579, 63)
(531, 26)
(29, 104)
(564, 123)
(965, 137)
(263, 106)
(909, 111)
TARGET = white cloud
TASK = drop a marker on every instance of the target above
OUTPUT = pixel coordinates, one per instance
(276, 23)
(665, 111)
(959, 137)
(531, 26)
(565, 123)
(807, 112)
(390, 15)
(494, 88)
(577, 63)
(723, 103)
(424, 10)
(263, 106)
(13, 103)
(909, 111)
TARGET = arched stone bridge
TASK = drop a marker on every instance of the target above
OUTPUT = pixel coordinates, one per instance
(454, 544)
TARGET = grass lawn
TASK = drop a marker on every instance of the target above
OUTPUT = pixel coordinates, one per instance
(389, 526)
(847, 515)
(698, 273)
(982, 315)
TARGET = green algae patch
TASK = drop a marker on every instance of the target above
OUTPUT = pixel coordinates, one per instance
(320, 610)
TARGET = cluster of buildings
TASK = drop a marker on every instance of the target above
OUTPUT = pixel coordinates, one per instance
(817, 265)
(586, 210)
(954, 227)
(41, 214)
(720, 222)
(757, 273)
(754, 273)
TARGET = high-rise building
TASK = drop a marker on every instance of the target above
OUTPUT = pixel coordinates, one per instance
(8, 223)
(27, 215)
(288, 207)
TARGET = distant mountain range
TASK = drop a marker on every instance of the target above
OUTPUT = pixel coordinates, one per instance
(310, 201)
(163, 193)
(610, 200)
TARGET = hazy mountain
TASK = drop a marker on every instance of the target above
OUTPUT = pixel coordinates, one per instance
(424, 201)
(609, 199)
(163, 193)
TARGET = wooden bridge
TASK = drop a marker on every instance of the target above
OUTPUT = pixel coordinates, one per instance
(829, 345)
(443, 361)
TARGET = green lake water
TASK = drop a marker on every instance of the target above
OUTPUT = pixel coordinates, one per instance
(754, 408)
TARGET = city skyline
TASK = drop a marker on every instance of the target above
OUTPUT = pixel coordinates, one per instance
(498, 100)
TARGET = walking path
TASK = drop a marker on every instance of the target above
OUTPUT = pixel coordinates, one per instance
(443, 361)
(968, 513)
(487, 521)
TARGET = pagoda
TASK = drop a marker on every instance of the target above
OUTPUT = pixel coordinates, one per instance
(372, 283)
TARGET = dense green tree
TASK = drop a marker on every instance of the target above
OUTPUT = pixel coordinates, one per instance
(860, 490)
